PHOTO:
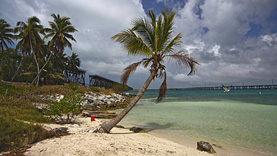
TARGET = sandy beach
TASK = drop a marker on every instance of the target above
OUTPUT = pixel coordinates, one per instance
(119, 142)
(123, 142)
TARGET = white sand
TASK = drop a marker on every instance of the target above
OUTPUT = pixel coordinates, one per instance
(120, 142)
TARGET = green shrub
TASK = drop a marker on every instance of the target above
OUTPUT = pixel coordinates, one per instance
(106, 91)
(6, 89)
(118, 88)
(52, 79)
(101, 90)
(20, 109)
(14, 133)
(66, 109)
(74, 85)
(94, 89)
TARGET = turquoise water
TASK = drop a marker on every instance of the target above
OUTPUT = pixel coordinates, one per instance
(240, 117)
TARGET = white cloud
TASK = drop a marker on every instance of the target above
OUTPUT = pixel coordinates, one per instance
(215, 50)
(270, 40)
(213, 34)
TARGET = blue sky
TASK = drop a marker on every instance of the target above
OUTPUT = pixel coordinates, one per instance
(234, 41)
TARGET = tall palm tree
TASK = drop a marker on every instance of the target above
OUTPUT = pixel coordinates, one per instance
(6, 35)
(59, 62)
(73, 63)
(29, 35)
(60, 32)
(151, 38)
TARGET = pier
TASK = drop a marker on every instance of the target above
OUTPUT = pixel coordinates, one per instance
(99, 81)
(77, 76)
(234, 87)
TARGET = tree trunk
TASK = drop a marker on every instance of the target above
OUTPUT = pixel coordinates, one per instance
(17, 68)
(36, 64)
(106, 127)
(42, 68)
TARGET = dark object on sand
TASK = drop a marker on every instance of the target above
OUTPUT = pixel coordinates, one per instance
(205, 146)
(62, 131)
(138, 130)
(119, 126)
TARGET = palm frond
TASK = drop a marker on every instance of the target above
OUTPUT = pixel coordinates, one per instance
(167, 28)
(60, 31)
(147, 61)
(176, 41)
(145, 30)
(5, 34)
(132, 43)
(162, 90)
(127, 71)
(183, 60)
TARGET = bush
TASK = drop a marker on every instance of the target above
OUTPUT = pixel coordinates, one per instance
(106, 91)
(66, 109)
(94, 89)
(118, 88)
(74, 85)
(52, 79)
(14, 133)
(6, 89)
(26, 77)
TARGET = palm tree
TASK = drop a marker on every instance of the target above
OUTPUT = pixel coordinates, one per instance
(60, 32)
(5, 35)
(151, 38)
(29, 35)
(59, 62)
(73, 64)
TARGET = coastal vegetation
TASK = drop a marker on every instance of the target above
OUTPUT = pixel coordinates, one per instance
(35, 59)
(20, 119)
(65, 110)
(153, 39)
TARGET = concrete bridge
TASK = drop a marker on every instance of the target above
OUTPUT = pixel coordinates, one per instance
(99, 81)
(235, 87)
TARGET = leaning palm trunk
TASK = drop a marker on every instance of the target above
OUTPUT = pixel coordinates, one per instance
(17, 68)
(106, 127)
(36, 64)
(36, 78)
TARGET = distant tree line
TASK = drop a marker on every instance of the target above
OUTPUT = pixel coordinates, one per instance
(34, 54)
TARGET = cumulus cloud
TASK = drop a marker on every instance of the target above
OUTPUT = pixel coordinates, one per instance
(96, 22)
(214, 33)
(270, 40)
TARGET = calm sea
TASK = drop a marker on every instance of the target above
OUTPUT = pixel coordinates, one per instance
(245, 118)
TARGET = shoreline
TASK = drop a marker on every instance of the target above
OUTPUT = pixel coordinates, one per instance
(221, 149)
(121, 141)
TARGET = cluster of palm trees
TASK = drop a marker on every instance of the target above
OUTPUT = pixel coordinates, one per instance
(149, 37)
(31, 59)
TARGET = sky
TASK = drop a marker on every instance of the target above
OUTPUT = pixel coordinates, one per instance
(233, 41)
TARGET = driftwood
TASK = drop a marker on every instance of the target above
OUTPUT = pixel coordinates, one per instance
(138, 130)
(99, 114)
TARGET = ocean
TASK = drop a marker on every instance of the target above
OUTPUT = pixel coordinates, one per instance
(243, 118)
